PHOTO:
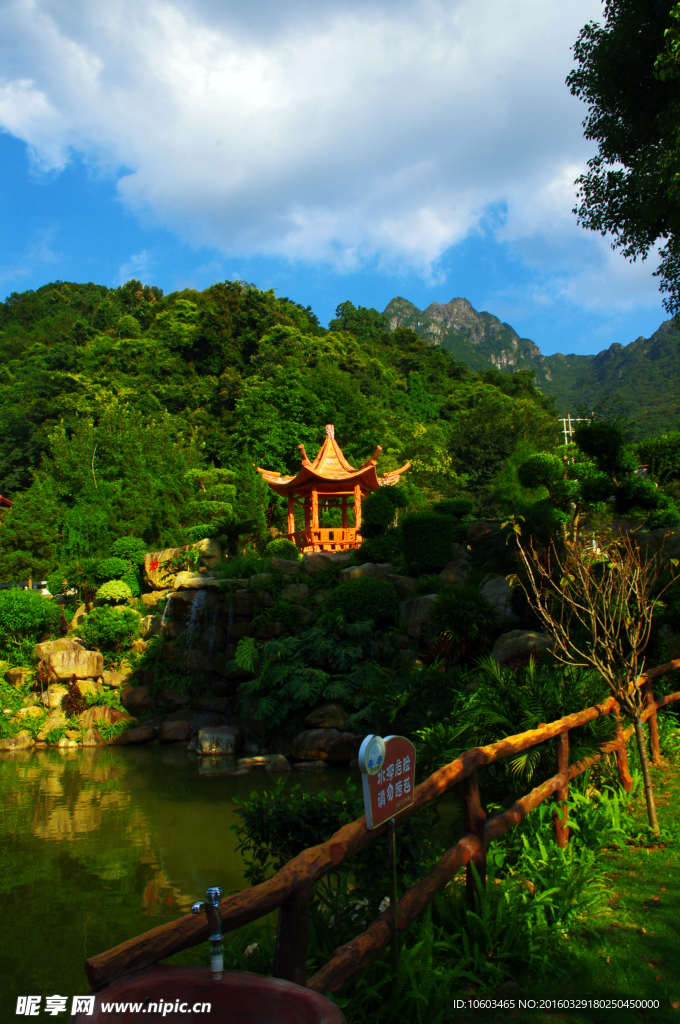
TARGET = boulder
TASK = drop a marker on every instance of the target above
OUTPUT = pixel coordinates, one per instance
(306, 614)
(310, 766)
(329, 716)
(33, 711)
(414, 614)
(375, 570)
(478, 532)
(242, 602)
(42, 650)
(150, 626)
(115, 679)
(326, 745)
(90, 687)
(138, 646)
(225, 739)
(205, 720)
(319, 561)
(207, 701)
(210, 551)
(152, 599)
(278, 763)
(320, 596)
(75, 662)
(521, 644)
(268, 630)
(295, 592)
(405, 586)
(174, 732)
(455, 573)
(18, 677)
(286, 565)
(79, 616)
(21, 742)
(496, 590)
(65, 743)
(93, 738)
(156, 571)
(195, 581)
(55, 720)
(101, 713)
(238, 630)
(256, 761)
(137, 734)
(53, 695)
(257, 579)
(170, 698)
(137, 698)
(459, 552)
(72, 734)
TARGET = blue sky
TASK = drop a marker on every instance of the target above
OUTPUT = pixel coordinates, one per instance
(356, 150)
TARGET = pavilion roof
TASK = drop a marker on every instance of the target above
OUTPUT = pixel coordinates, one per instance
(329, 467)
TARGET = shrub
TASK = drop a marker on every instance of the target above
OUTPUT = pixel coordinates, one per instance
(57, 582)
(25, 616)
(465, 617)
(460, 507)
(281, 547)
(132, 581)
(379, 509)
(427, 541)
(110, 629)
(381, 549)
(114, 590)
(73, 702)
(365, 598)
(112, 569)
(132, 549)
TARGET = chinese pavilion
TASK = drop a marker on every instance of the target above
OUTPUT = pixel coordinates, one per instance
(328, 482)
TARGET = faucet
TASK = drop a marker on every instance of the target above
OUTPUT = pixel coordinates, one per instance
(211, 905)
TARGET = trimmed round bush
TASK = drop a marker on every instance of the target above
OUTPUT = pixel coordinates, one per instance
(379, 509)
(131, 549)
(133, 583)
(427, 541)
(112, 569)
(281, 547)
(114, 590)
(110, 629)
(460, 507)
(381, 549)
(365, 598)
(540, 470)
(25, 616)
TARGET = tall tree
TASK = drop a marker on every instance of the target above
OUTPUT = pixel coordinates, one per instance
(628, 75)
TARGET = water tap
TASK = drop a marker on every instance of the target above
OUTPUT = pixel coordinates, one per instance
(211, 905)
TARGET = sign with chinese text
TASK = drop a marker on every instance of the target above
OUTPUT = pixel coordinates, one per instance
(388, 771)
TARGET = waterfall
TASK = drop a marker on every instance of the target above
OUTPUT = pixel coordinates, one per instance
(196, 619)
(165, 619)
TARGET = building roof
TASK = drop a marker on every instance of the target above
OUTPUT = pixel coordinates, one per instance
(329, 468)
(5, 502)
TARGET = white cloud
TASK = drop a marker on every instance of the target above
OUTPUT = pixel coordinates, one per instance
(352, 132)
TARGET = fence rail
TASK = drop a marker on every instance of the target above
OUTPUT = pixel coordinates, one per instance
(290, 888)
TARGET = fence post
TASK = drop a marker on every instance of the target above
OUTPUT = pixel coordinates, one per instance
(621, 755)
(475, 816)
(292, 934)
(654, 745)
(561, 794)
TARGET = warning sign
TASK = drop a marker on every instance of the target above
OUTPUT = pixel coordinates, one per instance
(388, 770)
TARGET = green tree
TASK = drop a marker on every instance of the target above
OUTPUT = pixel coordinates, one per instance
(367, 324)
(30, 533)
(627, 74)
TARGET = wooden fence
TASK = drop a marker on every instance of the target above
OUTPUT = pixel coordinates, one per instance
(289, 889)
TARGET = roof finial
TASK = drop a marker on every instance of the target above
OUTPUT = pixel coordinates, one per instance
(330, 432)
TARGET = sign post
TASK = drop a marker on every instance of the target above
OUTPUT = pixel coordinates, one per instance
(388, 769)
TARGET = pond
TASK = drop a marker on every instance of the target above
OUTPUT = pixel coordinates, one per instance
(98, 845)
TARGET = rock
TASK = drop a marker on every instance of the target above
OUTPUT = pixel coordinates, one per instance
(376, 570)
(311, 766)
(72, 734)
(65, 743)
(156, 571)
(30, 712)
(170, 698)
(255, 582)
(306, 614)
(195, 581)
(455, 574)
(18, 677)
(478, 532)
(225, 739)
(319, 596)
(286, 565)
(139, 646)
(137, 698)
(53, 695)
(329, 716)
(115, 679)
(79, 663)
(210, 702)
(520, 643)
(242, 602)
(41, 651)
(150, 626)
(295, 592)
(90, 687)
(459, 552)
(152, 599)
(319, 561)
(174, 732)
(137, 734)
(79, 616)
(496, 590)
(210, 551)
(278, 763)
(414, 614)
(238, 630)
(100, 713)
(93, 738)
(268, 630)
(21, 742)
(55, 720)
(326, 745)
(258, 761)
(405, 586)
(206, 720)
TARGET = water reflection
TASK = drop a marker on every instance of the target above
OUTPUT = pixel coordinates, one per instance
(94, 843)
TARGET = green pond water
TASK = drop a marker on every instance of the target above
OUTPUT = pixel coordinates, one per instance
(102, 844)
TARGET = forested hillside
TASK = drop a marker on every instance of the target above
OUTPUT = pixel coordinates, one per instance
(644, 375)
(115, 404)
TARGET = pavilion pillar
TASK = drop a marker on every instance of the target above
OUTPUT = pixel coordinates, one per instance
(315, 510)
(291, 513)
(345, 521)
(357, 507)
(308, 514)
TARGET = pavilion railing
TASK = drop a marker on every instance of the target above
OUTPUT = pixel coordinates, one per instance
(289, 889)
(335, 538)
